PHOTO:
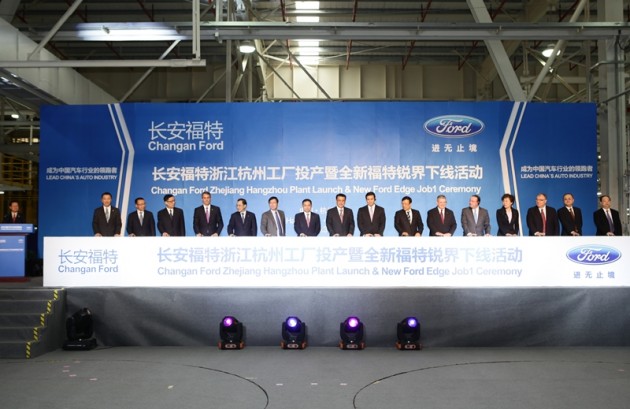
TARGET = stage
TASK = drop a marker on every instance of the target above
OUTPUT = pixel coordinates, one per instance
(319, 378)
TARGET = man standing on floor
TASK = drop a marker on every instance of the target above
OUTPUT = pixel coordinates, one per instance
(440, 220)
(13, 215)
(371, 217)
(475, 219)
(306, 222)
(340, 219)
(171, 219)
(408, 221)
(140, 222)
(570, 217)
(207, 219)
(106, 220)
(273, 222)
(242, 222)
(542, 220)
(607, 220)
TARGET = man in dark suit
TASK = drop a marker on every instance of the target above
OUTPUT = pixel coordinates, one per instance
(207, 219)
(340, 219)
(475, 219)
(140, 222)
(371, 217)
(242, 222)
(440, 220)
(408, 221)
(273, 222)
(14, 215)
(570, 217)
(307, 223)
(106, 220)
(171, 219)
(607, 220)
(542, 220)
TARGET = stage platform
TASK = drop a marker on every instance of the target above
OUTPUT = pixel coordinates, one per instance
(319, 378)
(450, 317)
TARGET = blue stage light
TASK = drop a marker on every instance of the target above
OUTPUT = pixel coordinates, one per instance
(293, 334)
(231, 333)
(408, 333)
(351, 331)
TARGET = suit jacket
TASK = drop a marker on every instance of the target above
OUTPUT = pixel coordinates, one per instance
(506, 226)
(205, 227)
(567, 222)
(101, 226)
(434, 222)
(601, 222)
(268, 224)
(174, 226)
(335, 225)
(146, 229)
(312, 229)
(535, 223)
(481, 228)
(402, 225)
(374, 226)
(237, 227)
(8, 218)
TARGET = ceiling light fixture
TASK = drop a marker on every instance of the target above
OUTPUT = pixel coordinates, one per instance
(247, 47)
(549, 50)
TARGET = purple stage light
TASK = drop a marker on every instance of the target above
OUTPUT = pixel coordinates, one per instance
(292, 322)
(353, 322)
(228, 321)
(412, 322)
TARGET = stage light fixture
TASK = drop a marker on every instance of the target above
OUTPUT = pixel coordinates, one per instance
(79, 330)
(408, 333)
(351, 332)
(231, 333)
(293, 334)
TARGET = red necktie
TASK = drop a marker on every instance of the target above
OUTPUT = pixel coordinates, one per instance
(442, 215)
(544, 219)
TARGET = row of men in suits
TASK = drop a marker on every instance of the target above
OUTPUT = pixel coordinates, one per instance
(542, 220)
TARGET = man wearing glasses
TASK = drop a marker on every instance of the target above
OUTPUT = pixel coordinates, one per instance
(171, 219)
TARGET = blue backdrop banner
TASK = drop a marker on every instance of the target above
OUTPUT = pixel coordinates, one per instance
(313, 150)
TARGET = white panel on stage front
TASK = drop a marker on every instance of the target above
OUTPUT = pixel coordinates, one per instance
(336, 262)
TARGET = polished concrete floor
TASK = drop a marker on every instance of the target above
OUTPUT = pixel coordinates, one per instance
(319, 378)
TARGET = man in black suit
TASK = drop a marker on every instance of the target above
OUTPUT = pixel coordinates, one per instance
(570, 217)
(440, 220)
(371, 217)
(607, 220)
(242, 222)
(207, 219)
(106, 220)
(408, 221)
(171, 219)
(140, 222)
(340, 219)
(307, 223)
(542, 220)
(14, 215)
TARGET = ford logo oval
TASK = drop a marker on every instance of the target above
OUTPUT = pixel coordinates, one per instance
(593, 254)
(453, 126)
